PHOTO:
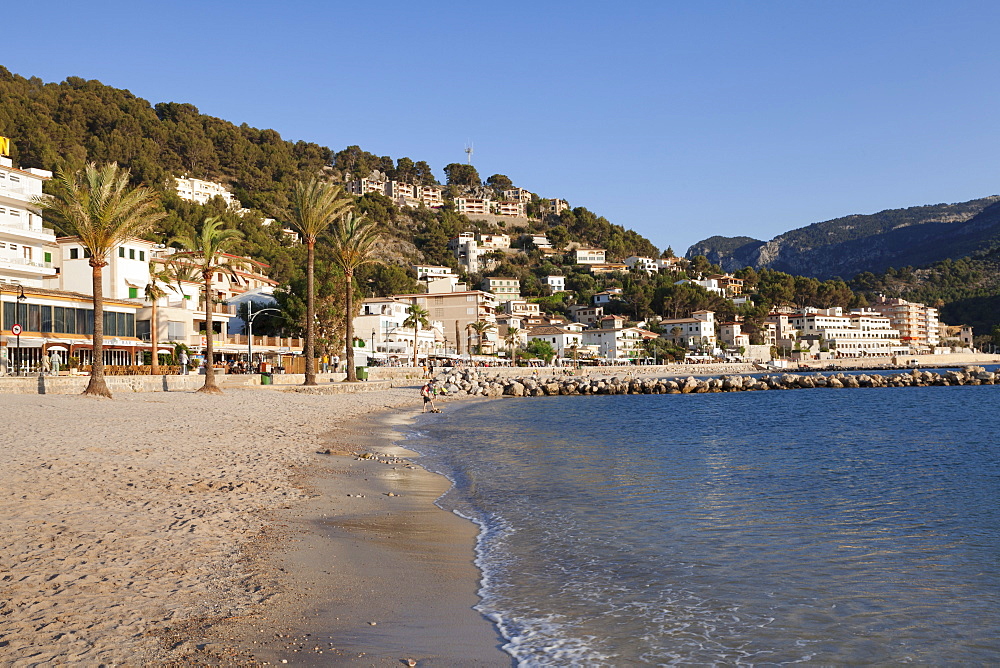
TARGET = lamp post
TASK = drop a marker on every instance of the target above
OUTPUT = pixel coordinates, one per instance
(17, 316)
(373, 340)
(250, 318)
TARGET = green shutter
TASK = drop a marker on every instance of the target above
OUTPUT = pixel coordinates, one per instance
(48, 257)
(133, 293)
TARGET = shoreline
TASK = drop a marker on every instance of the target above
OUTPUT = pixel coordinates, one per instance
(377, 573)
(145, 530)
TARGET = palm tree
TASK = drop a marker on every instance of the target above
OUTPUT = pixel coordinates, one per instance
(512, 338)
(315, 206)
(166, 274)
(416, 317)
(480, 328)
(203, 253)
(155, 293)
(355, 241)
(98, 206)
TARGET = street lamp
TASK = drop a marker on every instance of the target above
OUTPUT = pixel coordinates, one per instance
(17, 316)
(373, 341)
(250, 318)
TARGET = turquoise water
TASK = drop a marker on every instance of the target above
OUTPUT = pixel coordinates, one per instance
(820, 526)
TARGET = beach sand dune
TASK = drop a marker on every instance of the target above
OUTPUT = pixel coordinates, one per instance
(142, 530)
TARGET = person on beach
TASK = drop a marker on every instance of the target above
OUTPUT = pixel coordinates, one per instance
(46, 365)
(55, 361)
(184, 362)
(427, 392)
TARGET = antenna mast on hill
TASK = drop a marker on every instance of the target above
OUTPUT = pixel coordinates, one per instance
(468, 152)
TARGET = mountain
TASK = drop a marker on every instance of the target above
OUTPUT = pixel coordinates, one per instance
(848, 246)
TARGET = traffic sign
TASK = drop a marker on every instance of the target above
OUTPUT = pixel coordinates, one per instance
(15, 330)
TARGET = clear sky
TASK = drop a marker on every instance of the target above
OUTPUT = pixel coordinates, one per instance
(680, 120)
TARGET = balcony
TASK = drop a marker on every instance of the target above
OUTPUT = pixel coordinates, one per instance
(20, 265)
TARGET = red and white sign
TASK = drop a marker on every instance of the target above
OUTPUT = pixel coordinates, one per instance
(15, 330)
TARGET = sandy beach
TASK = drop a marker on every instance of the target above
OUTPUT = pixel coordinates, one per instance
(176, 528)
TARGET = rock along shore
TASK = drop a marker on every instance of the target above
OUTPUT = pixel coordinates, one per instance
(475, 382)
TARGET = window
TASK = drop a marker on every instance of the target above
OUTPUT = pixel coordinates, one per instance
(121, 251)
(131, 253)
(142, 256)
(133, 293)
(48, 258)
(74, 253)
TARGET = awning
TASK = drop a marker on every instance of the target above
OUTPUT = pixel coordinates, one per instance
(63, 349)
(26, 342)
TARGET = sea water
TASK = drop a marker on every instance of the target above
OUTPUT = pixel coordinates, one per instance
(819, 526)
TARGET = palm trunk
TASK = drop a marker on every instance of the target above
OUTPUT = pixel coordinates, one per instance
(97, 386)
(310, 313)
(352, 373)
(154, 341)
(209, 387)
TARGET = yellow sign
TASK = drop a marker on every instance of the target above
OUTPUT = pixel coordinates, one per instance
(4, 146)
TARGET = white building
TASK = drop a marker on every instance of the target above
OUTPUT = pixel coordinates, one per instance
(698, 331)
(564, 341)
(605, 297)
(27, 248)
(510, 208)
(589, 255)
(472, 206)
(710, 284)
(431, 196)
(614, 341)
(646, 264)
(382, 322)
(197, 190)
(493, 241)
(862, 333)
(556, 283)
(504, 287)
(517, 195)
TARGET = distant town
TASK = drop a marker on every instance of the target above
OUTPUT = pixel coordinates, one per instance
(45, 290)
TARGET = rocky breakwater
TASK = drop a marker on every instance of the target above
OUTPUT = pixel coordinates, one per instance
(475, 383)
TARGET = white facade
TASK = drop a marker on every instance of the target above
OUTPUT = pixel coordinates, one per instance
(695, 332)
(125, 276)
(605, 297)
(517, 195)
(564, 341)
(27, 249)
(615, 343)
(471, 206)
(646, 264)
(382, 320)
(589, 256)
(556, 283)
(504, 288)
(510, 208)
(918, 325)
(860, 334)
(493, 241)
(197, 190)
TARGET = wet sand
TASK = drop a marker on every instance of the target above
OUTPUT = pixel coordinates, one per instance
(180, 529)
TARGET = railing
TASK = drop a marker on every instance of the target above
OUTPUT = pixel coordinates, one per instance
(9, 224)
(26, 262)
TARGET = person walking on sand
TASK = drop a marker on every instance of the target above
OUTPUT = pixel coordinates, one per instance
(184, 362)
(428, 394)
(55, 361)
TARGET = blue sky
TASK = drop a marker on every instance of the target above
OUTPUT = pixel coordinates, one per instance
(680, 120)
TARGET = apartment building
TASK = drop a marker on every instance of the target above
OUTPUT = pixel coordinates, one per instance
(605, 297)
(521, 308)
(557, 206)
(510, 208)
(381, 325)
(369, 185)
(519, 195)
(455, 311)
(504, 287)
(27, 248)
(731, 334)
(586, 314)
(862, 333)
(197, 190)
(431, 196)
(493, 241)
(730, 285)
(473, 206)
(918, 324)
(694, 332)
(617, 343)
